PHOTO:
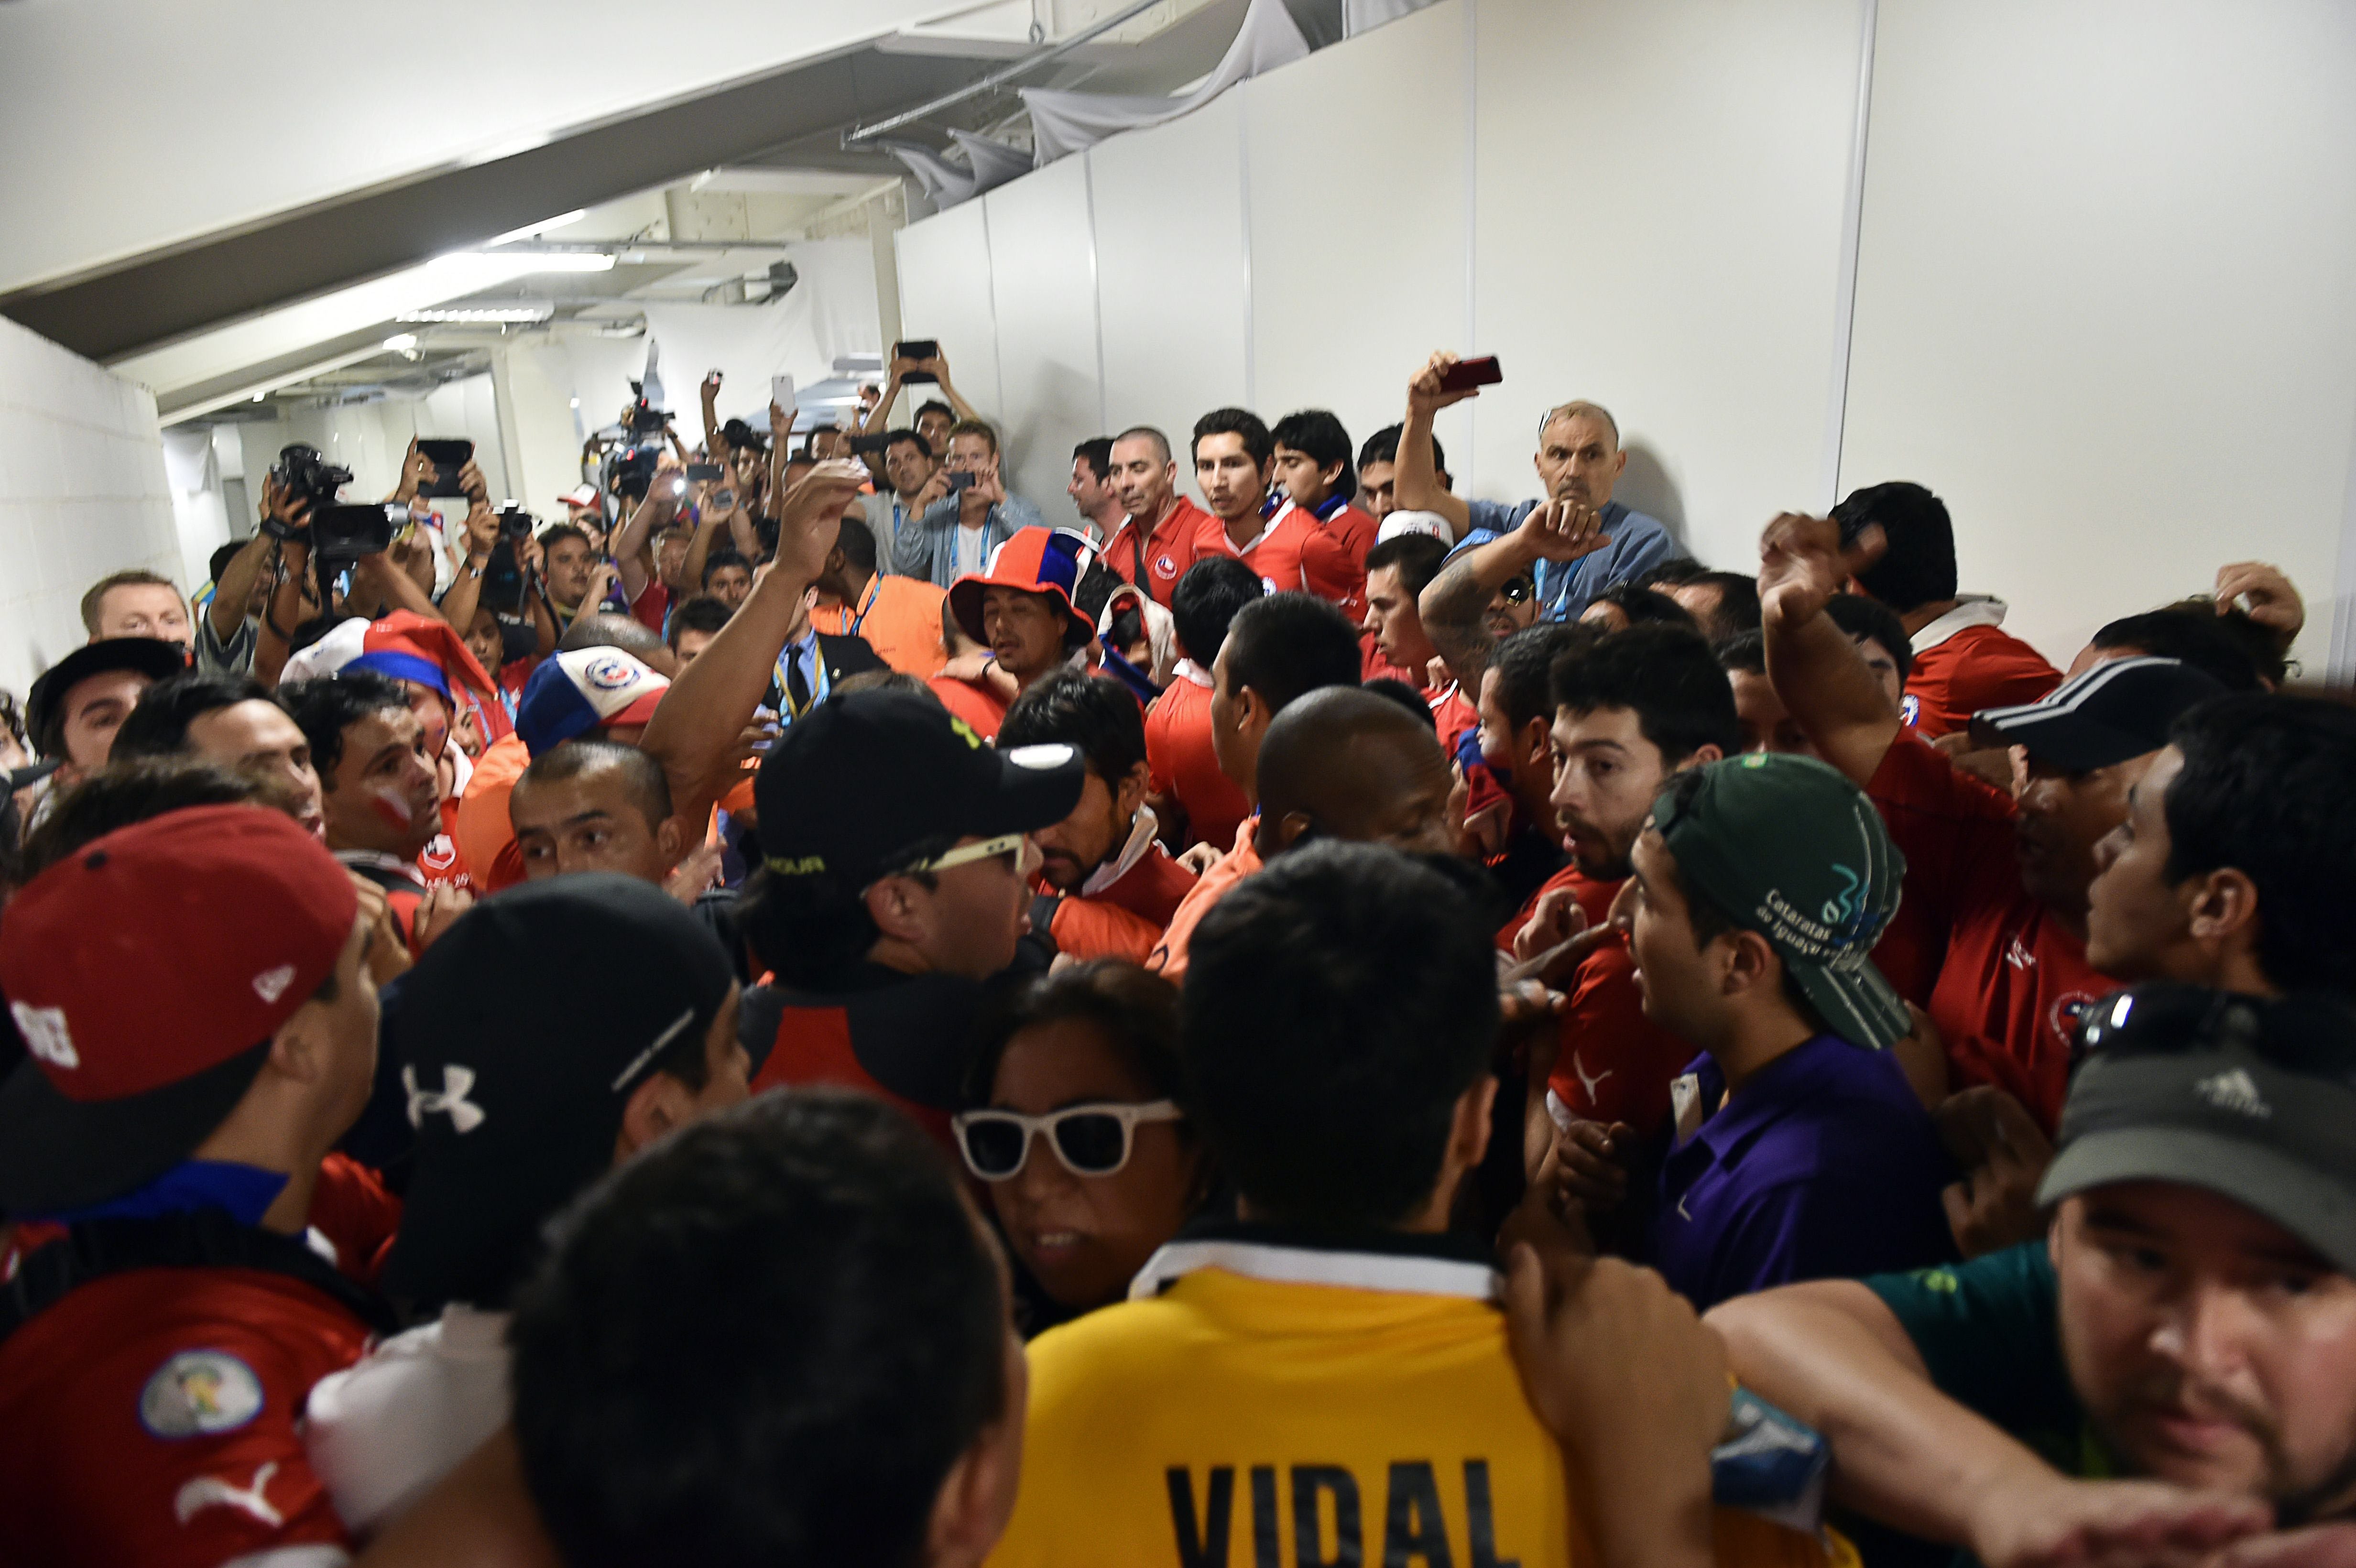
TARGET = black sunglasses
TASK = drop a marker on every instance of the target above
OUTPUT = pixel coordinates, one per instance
(1518, 591)
(2308, 1034)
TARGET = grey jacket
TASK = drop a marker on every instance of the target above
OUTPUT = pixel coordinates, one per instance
(925, 547)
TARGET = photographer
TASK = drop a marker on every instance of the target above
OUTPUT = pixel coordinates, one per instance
(487, 532)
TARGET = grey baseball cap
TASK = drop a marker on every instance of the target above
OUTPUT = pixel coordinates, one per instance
(2252, 1098)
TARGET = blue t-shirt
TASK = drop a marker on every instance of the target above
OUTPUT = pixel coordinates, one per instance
(1639, 543)
(1824, 1167)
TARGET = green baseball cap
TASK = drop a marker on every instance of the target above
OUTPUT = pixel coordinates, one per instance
(1789, 848)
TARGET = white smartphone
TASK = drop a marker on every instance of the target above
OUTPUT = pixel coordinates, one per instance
(781, 391)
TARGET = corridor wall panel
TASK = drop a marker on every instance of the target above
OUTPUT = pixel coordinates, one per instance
(1660, 230)
(1173, 279)
(2106, 301)
(1043, 287)
(1357, 187)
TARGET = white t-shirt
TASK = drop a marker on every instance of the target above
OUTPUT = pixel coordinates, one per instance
(382, 1432)
(969, 549)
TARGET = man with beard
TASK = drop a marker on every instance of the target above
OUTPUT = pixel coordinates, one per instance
(1635, 709)
(1107, 888)
(2187, 1325)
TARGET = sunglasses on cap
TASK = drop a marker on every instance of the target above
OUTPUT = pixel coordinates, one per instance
(1090, 1140)
(1008, 844)
(2311, 1035)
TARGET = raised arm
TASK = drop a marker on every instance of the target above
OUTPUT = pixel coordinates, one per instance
(230, 594)
(1454, 604)
(1415, 483)
(940, 366)
(879, 417)
(1831, 1354)
(702, 719)
(629, 546)
(715, 444)
(1815, 669)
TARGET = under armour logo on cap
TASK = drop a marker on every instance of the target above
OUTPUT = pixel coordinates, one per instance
(464, 1114)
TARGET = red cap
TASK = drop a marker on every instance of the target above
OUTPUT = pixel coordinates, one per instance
(146, 961)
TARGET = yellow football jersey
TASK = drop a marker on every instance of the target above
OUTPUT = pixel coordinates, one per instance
(1266, 1406)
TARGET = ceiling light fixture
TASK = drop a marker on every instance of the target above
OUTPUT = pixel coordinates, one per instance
(400, 340)
(542, 227)
(530, 312)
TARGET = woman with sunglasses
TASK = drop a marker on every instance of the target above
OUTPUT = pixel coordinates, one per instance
(1089, 1163)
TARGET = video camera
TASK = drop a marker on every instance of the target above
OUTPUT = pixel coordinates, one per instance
(630, 471)
(341, 534)
(306, 477)
(642, 416)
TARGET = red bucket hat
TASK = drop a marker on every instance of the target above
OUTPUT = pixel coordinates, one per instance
(1037, 560)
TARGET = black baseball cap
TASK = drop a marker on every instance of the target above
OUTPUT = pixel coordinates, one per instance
(522, 1035)
(2118, 710)
(853, 788)
(45, 718)
(1789, 848)
(2253, 1098)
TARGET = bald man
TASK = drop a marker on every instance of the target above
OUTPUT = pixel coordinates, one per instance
(1334, 762)
(1344, 763)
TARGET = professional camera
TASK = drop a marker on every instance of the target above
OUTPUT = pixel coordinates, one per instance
(516, 524)
(642, 416)
(305, 476)
(630, 471)
(342, 534)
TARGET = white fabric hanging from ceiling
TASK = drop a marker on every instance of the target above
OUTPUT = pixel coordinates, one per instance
(992, 164)
(1066, 123)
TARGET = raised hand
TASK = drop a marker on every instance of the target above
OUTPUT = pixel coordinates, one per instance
(1562, 532)
(2274, 603)
(1801, 565)
(1425, 395)
(810, 520)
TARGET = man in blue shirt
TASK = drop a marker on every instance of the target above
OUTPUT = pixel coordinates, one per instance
(1578, 460)
(1799, 1150)
(956, 535)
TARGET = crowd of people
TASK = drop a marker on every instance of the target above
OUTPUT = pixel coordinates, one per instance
(805, 1014)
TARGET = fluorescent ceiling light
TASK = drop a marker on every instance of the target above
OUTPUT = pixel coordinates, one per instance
(542, 227)
(526, 313)
(402, 340)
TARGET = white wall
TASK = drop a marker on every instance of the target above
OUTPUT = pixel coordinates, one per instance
(83, 494)
(2104, 302)
(2101, 296)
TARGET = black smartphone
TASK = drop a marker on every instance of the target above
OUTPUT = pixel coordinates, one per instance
(959, 480)
(706, 473)
(1466, 374)
(447, 457)
(918, 348)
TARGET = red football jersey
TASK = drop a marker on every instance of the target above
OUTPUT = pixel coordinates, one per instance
(2011, 980)
(1275, 553)
(1155, 560)
(980, 707)
(1611, 1063)
(149, 1417)
(1978, 666)
(1333, 559)
(1184, 767)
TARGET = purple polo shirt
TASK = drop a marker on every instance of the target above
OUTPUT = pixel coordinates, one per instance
(1824, 1167)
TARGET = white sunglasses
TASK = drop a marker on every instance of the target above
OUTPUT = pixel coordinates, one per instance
(1090, 1140)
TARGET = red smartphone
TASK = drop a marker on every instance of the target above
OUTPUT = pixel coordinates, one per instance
(1466, 374)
